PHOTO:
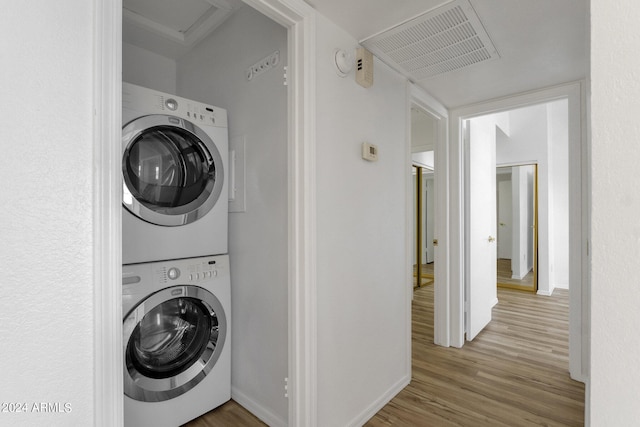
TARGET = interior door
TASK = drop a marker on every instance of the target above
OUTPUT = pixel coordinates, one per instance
(480, 233)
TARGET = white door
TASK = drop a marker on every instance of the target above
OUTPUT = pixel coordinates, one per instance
(481, 274)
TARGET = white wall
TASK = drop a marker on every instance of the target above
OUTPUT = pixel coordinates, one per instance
(615, 202)
(531, 136)
(424, 158)
(257, 111)
(558, 137)
(363, 311)
(46, 220)
(148, 69)
(424, 131)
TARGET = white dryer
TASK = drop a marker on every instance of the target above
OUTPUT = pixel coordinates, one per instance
(174, 166)
(177, 349)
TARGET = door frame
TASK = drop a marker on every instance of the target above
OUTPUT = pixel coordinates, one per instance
(300, 20)
(579, 284)
(417, 96)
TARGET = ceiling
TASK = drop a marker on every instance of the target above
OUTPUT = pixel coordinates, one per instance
(172, 28)
(539, 43)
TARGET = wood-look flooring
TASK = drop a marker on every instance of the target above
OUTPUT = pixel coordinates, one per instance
(515, 373)
(231, 414)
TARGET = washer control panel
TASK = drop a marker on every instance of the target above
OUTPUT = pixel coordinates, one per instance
(147, 278)
(190, 271)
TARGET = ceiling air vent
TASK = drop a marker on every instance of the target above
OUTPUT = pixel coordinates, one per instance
(442, 40)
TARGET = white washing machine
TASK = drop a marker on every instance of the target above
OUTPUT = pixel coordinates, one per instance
(174, 168)
(176, 340)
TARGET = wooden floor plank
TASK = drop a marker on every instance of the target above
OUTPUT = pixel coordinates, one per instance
(515, 373)
(231, 414)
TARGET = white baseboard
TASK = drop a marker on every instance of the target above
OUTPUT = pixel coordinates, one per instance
(373, 409)
(495, 302)
(256, 409)
(561, 286)
(544, 292)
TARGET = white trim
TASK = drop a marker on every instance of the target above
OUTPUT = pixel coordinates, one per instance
(544, 293)
(300, 20)
(579, 334)
(441, 321)
(256, 409)
(107, 236)
(380, 403)
(579, 208)
(408, 224)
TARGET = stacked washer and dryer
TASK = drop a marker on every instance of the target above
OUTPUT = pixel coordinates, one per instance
(176, 284)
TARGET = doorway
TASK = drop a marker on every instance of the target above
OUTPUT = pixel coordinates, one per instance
(422, 106)
(424, 135)
(573, 96)
(297, 20)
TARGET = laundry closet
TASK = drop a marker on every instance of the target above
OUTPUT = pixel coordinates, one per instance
(217, 70)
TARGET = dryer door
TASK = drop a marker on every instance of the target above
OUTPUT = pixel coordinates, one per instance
(172, 170)
(172, 340)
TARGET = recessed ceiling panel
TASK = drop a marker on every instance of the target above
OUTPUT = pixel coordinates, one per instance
(445, 39)
(172, 27)
(178, 16)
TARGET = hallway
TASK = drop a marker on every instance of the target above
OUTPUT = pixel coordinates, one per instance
(515, 373)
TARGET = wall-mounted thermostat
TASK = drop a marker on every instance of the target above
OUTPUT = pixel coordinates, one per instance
(364, 67)
(369, 152)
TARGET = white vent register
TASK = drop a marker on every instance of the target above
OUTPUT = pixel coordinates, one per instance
(445, 39)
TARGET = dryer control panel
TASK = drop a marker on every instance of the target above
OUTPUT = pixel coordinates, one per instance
(150, 101)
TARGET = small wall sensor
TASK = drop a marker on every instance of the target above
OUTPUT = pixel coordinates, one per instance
(369, 152)
(364, 67)
(343, 62)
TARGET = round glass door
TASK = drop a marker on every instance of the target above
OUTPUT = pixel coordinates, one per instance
(172, 170)
(172, 341)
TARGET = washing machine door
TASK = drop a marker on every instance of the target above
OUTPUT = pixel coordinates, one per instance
(172, 340)
(172, 170)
